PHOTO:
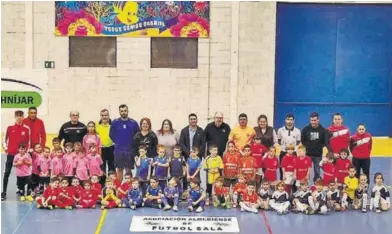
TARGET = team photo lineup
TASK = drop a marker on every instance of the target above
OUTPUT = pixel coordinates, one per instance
(122, 163)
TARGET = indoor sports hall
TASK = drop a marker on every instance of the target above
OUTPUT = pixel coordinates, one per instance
(166, 60)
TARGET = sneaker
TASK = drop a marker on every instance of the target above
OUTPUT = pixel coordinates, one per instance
(199, 209)
(79, 206)
(38, 206)
(242, 209)
(207, 202)
(175, 208)
(93, 207)
(167, 207)
(103, 207)
(228, 205)
(364, 210)
(3, 196)
(254, 210)
(50, 207)
(378, 210)
(160, 206)
(22, 198)
(234, 205)
(133, 207)
(190, 208)
(215, 203)
(280, 212)
(30, 198)
(68, 207)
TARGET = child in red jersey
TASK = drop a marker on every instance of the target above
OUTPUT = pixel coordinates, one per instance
(238, 189)
(271, 164)
(361, 148)
(116, 181)
(303, 164)
(76, 190)
(64, 200)
(96, 186)
(342, 166)
(339, 135)
(122, 191)
(247, 164)
(329, 168)
(221, 195)
(258, 150)
(249, 199)
(56, 164)
(288, 168)
(44, 170)
(231, 160)
(88, 197)
(50, 195)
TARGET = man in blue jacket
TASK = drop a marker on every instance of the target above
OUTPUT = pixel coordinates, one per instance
(122, 132)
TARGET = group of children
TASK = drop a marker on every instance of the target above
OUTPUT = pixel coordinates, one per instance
(247, 179)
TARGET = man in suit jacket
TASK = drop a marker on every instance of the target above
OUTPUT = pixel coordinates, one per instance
(192, 135)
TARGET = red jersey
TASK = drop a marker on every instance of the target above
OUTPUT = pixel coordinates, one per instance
(230, 165)
(271, 166)
(37, 131)
(76, 191)
(222, 191)
(342, 166)
(252, 198)
(89, 195)
(329, 172)
(340, 138)
(247, 167)
(125, 187)
(258, 152)
(117, 183)
(66, 191)
(361, 145)
(288, 163)
(16, 134)
(97, 187)
(302, 166)
(51, 192)
(239, 186)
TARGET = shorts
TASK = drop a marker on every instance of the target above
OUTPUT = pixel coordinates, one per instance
(289, 178)
(123, 159)
(229, 182)
(259, 171)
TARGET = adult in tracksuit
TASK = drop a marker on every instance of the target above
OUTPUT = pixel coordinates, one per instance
(122, 132)
(72, 131)
(315, 137)
(14, 136)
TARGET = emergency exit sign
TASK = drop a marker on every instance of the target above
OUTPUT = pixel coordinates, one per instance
(49, 64)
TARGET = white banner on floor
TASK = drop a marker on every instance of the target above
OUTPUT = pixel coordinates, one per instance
(184, 224)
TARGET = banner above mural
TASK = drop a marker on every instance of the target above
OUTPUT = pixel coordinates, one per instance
(133, 19)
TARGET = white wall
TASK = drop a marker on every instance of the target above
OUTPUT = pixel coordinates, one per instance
(235, 73)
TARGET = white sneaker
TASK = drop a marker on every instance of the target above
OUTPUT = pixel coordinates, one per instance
(175, 208)
(167, 207)
(254, 210)
(242, 209)
(199, 209)
(190, 208)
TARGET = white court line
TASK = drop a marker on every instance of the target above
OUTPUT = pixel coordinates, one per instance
(22, 220)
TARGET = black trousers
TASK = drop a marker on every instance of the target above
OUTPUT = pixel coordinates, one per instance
(21, 182)
(364, 164)
(34, 181)
(108, 158)
(7, 171)
(43, 183)
(209, 190)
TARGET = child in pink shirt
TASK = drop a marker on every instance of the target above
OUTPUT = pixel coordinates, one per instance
(36, 156)
(68, 161)
(56, 164)
(91, 138)
(44, 170)
(81, 166)
(95, 161)
(22, 162)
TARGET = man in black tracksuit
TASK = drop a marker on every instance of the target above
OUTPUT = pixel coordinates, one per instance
(73, 131)
(315, 137)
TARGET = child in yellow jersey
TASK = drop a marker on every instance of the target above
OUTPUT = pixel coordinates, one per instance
(349, 187)
(212, 165)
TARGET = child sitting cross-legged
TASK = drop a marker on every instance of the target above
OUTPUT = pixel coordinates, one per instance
(135, 195)
(171, 195)
(221, 195)
(249, 199)
(153, 194)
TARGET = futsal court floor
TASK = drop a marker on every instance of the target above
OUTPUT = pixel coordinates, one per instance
(20, 218)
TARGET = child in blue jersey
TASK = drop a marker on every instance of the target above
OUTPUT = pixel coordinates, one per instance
(143, 167)
(177, 167)
(171, 195)
(197, 197)
(135, 195)
(161, 165)
(153, 194)
(193, 167)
